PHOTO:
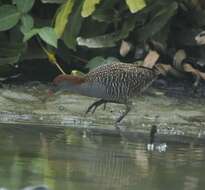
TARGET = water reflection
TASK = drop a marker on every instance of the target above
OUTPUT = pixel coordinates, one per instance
(63, 159)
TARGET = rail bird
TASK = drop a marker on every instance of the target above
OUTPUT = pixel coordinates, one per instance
(111, 83)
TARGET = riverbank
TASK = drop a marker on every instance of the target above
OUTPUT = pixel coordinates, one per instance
(177, 112)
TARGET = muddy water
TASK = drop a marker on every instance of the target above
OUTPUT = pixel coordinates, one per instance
(64, 158)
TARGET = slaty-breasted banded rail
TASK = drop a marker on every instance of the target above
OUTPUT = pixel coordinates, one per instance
(111, 83)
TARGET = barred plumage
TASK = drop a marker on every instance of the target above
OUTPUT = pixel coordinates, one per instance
(117, 82)
(122, 81)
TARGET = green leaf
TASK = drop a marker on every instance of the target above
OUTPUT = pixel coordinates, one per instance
(97, 61)
(89, 7)
(9, 17)
(53, 1)
(48, 35)
(27, 23)
(158, 21)
(24, 6)
(135, 5)
(107, 40)
(110, 39)
(30, 34)
(127, 27)
(106, 12)
(162, 36)
(77, 73)
(102, 15)
(10, 52)
(73, 27)
(88, 25)
(62, 17)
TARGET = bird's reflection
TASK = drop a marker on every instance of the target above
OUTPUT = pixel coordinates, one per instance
(65, 159)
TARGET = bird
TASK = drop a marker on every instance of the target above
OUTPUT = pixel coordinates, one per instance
(112, 83)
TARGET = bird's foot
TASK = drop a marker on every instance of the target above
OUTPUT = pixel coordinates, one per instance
(128, 108)
(91, 109)
(117, 127)
(119, 119)
(94, 106)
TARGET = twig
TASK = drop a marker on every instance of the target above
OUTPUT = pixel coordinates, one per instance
(51, 56)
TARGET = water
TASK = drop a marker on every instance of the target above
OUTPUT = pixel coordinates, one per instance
(67, 159)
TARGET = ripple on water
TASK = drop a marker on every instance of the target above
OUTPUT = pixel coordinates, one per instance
(64, 158)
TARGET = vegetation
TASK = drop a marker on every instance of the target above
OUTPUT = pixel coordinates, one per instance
(82, 34)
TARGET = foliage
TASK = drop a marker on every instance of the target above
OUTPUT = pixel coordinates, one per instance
(89, 7)
(135, 6)
(46, 33)
(98, 25)
(9, 16)
(99, 60)
(62, 17)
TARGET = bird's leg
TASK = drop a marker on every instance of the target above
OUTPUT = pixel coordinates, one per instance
(94, 106)
(104, 106)
(127, 110)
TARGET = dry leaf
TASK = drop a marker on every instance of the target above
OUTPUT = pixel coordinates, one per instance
(151, 59)
(125, 48)
(169, 69)
(179, 56)
(200, 38)
(188, 68)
